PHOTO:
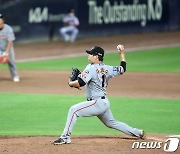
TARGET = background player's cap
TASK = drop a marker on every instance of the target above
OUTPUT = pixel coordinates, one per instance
(96, 51)
(71, 11)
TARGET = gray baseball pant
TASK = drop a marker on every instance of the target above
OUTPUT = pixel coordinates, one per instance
(11, 63)
(101, 109)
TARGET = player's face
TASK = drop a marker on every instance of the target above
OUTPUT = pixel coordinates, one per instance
(71, 14)
(93, 59)
(1, 24)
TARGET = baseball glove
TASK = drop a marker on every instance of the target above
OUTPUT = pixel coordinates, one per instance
(4, 59)
(74, 74)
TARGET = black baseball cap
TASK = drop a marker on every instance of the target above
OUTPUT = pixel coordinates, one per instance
(96, 51)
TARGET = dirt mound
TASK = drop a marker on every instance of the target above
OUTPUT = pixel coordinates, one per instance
(80, 145)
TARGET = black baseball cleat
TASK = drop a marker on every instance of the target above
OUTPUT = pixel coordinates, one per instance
(61, 141)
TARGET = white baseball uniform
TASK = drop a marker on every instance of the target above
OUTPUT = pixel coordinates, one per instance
(96, 77)
(7, 34)
(70, 31)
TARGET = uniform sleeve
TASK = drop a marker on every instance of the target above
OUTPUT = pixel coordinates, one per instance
(76, 21)
(86, 75)
(116, 70)
(65, 19)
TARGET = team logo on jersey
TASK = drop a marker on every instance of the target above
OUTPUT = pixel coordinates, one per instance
(82, 76)
(115, 68)
(85, 72)
(102, 69)
(3, 36)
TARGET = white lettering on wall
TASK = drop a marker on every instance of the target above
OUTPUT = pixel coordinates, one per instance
(38, 15)
(121, 13)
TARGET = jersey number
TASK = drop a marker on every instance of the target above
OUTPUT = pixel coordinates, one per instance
(103, 79)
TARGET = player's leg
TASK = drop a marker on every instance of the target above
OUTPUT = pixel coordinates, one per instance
(12, 66)
(64, 32)
(108, 119)
(84, 109)
(74, 34)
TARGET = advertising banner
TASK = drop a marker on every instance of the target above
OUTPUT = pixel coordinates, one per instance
(42, 19)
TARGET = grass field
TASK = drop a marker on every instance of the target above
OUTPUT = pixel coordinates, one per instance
(38, 114)
(157, 60)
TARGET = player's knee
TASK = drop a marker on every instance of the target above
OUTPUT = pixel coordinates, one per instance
(62, 31)
(72, 109)
(110, 123)
(76, 31)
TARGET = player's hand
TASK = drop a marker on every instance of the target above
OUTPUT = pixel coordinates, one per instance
(5, 54)
(120, 48)
(73, 84)
(69, 83)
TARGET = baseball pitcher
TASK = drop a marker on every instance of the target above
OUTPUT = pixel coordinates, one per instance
(7, 54)
(95, 78)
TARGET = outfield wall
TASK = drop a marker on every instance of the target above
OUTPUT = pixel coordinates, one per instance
(41, 20)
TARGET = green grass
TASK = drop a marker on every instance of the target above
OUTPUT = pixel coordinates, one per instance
(157, 60)
(38, 114)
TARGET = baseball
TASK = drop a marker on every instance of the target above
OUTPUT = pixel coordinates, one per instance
(120, 47)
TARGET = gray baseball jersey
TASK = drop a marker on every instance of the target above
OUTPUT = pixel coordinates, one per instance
(6, 35)
(96, 77)
(71, 20)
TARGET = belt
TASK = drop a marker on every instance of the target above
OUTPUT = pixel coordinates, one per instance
(90, 99)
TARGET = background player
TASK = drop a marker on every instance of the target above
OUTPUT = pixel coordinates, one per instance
(95, 77)
(70, 29)
(6, 47)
